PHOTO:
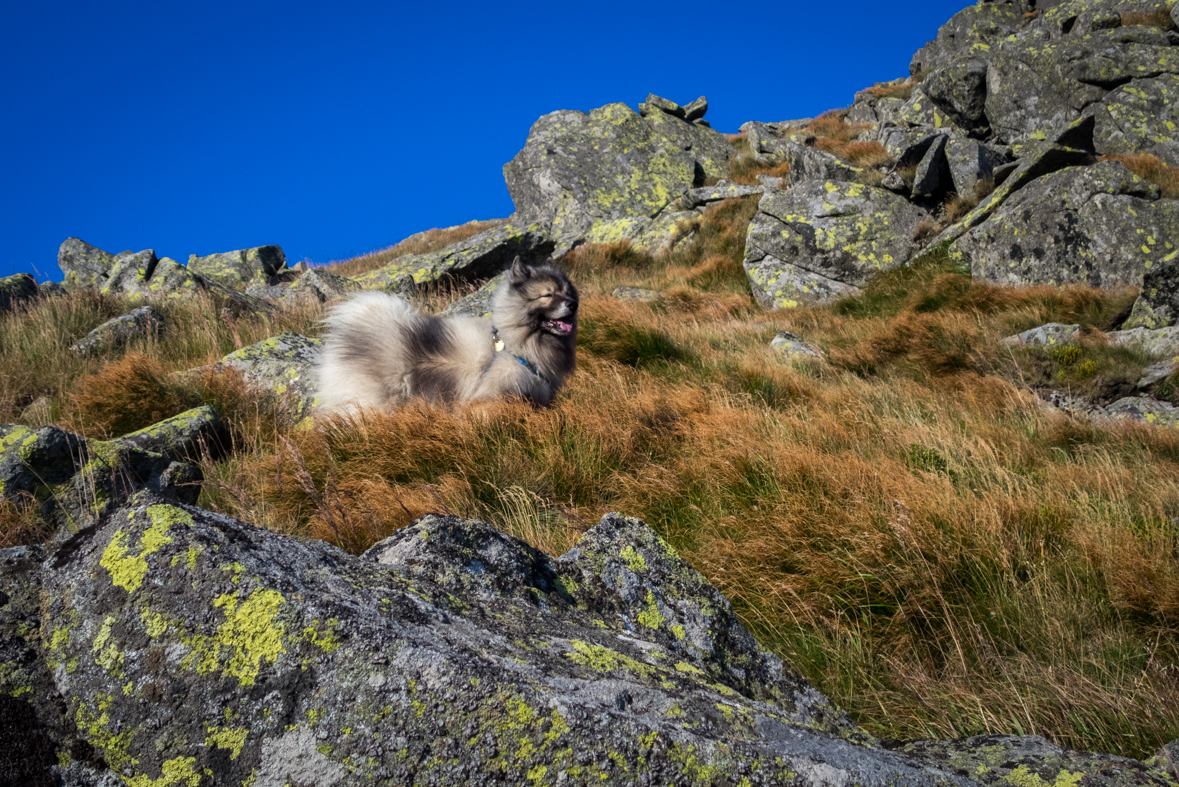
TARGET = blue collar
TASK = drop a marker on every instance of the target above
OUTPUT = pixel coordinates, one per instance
(527, 364)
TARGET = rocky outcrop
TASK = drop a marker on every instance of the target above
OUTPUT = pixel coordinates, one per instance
(821, 240)
(76, 481)
(608, 173)
(17, 289)
(117, 331)
(239, 269)
(480, 256)
(971, 30)
(171, 645)
(1099, 225)
(139, 276)
(792, 346)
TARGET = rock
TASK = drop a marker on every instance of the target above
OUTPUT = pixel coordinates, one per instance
(972, 30)
(704, 195)
(1100, 225)
(50, 289)
(76, 481)
(1052, 334)
(696, 110)
(579, 169)
(1035, 85)
(83, 265)
(1041, 161)
(1157, 372)
(186, 436)
(809, 164)
(791, 346)
(116, 332)
(321, 286)
(15, 290)
(281, 365)
(1158, 302)
(636, 294)
(239, 269)
(669, 107)
(477, 303)
(129, 272)
(650, 235)
(818, 241)
(701, 122)
(1140, 117)
(959, 89)
(710, 149)
(1007, 760)
(933, 171)
(479, 256)
(1158, 341)
(616, 663)
(38, 413)
(771, 183)
(920, 110)
(1145, 409)
(1166, 758)
(970, 162)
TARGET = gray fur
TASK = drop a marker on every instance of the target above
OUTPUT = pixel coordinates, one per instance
(379, 351)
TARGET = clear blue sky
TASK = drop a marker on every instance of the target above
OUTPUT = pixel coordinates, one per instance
(336, 129)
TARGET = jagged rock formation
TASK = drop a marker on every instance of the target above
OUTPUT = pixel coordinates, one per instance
(75, 481)
(17, 289)
(171, 645)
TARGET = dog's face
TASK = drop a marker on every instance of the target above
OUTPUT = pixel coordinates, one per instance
(547, 296)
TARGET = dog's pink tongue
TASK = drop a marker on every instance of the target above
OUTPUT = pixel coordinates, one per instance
(564, 326)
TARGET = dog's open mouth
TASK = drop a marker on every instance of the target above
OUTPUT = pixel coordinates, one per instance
(558, 327)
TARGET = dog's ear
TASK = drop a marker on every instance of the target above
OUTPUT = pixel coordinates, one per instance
(520, 272)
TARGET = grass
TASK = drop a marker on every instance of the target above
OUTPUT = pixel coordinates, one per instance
(903, 91)
(903, 523)
(1152, 168)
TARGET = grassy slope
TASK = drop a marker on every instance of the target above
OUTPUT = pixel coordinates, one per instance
(903, 524)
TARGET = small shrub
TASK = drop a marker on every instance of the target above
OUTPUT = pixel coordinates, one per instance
(860, 154)
(1152, 168)
(745, 169)
(956, 207)
(833, 125)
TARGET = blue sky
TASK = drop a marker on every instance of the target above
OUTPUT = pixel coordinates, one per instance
(336, 129)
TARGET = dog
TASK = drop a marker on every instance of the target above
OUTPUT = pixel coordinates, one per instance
(379, 351)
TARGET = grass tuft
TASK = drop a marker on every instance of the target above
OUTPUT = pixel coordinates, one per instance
(1152, 168)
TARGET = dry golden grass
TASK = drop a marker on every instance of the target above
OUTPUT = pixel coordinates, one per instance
(1160, 18)
(833, 125)
(902, 91)
(903, 523)
(1152, 168)
(421, 243)
(123, 396)
(745, 169)
(861, 154)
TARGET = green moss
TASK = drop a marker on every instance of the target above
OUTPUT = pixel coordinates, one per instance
(250, 633)
(633, 559)
(651, 617)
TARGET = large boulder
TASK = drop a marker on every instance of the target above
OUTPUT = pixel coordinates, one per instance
(959, 88)
(1036, 85)
(971, 30)
(710, 149)
(17, 289)
(477, 257)
(83, 265)
(75, 480)
(821, 240)
(577, 169)
(1141, 116)
(239, 269)
(1100, 226)
(171, 645)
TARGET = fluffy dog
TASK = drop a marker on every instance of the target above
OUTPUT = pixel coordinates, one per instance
(379, 351)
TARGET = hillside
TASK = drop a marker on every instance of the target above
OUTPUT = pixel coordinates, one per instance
(901, 382)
